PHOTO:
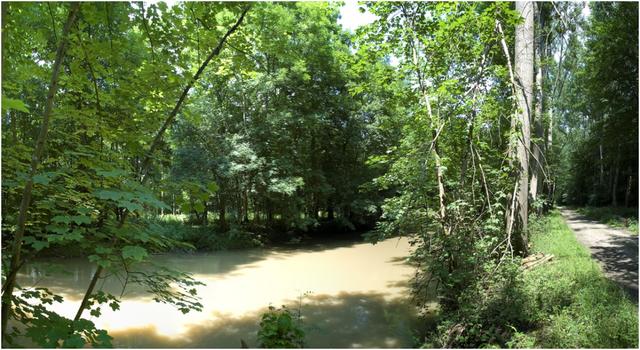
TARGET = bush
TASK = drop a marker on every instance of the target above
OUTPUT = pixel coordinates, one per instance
(280, 329)
(567, 303)
(206, 238)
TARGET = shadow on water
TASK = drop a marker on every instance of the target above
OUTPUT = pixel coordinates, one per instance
(360, 296)
(70, 276)
(342, 321)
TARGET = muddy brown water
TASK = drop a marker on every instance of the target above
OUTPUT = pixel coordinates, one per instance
(350, 294)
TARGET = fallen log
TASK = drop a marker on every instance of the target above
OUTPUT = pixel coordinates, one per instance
(537, 262)
(532, 258)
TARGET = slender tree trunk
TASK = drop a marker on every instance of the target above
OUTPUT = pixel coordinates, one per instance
(469, 150)
(16, 249)
(548, 146)
(524, 72)
(601, 166)
(222, 214)
(146, 163)
(614, 188)
(627, 193)
(205, 214)
(436, 124)
(85, 299)
(536, 167)
(330, 211)
(245, 204)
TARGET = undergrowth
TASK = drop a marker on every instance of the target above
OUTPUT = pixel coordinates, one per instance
(566, 303)
(619, 217)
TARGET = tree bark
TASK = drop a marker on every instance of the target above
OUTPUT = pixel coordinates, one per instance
(222, 214)
(627, 193)
(601, 165)
(614, 188)
(536, 167)
(524, 71)
(36, 159)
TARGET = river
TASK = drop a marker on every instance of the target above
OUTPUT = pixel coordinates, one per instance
(350, 294)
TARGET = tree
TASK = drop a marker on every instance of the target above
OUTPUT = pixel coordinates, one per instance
(523, 67)
(16, 261)
(93, 174)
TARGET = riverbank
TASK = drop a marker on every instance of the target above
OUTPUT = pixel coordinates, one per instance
(571, 303)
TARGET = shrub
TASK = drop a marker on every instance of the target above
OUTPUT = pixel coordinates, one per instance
(279, 328)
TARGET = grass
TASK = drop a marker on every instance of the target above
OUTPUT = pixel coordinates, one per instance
(620, 217)
(569, 300)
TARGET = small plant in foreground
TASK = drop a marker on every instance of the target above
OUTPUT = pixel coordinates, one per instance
(279, 328)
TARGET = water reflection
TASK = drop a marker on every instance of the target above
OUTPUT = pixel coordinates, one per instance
(359, 296)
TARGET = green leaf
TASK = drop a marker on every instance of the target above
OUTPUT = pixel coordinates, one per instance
(81, 219)
(99, 260)
(131, 206)
(45, 178)
(103, 250)
(75, 340)
(134, 252)
(12, 103)
(57, 229)
(61, 219)
(212, 187)
(114, 305)
(39, 245)
(110, 173)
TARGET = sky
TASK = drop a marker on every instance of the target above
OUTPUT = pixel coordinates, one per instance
(351, 18)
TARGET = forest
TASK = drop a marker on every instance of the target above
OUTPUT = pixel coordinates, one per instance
(174, 174)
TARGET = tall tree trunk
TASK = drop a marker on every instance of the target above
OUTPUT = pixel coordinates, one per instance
(245, 204)
(614, 188)
(524, 71)
(548, 145)
(222, 214)
(627, 193)
(536, 167)
(16, 249)
(330, 210)
(601, 165)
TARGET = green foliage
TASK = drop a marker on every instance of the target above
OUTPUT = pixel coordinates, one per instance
(170, 287)
(300, 126)
(626, 218)
(578, 309)
(598, 139)
(567, 303)
(47, 329)
(11, 103)
(279, 328)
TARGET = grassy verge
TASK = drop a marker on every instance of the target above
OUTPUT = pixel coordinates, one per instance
(620, 217)
(571, 303)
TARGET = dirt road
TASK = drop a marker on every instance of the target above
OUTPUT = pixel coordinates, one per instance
(615, 249)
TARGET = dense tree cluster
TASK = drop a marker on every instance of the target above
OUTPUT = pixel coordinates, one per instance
(276, 129)
(599, 131)
(446, 122)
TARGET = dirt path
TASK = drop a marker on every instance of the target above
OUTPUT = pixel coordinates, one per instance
(615, 249)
